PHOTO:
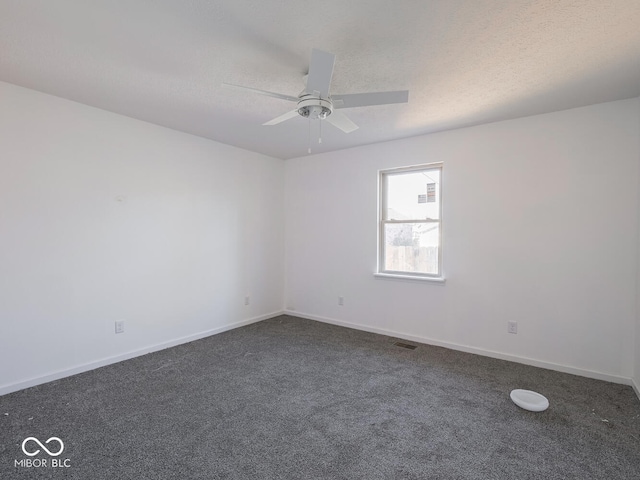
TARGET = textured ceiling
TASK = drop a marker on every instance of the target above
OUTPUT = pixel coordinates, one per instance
(464, 62)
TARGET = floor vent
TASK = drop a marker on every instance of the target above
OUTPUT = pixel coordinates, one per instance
(405, 345)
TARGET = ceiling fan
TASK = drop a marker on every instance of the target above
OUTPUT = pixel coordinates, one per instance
(315, 102)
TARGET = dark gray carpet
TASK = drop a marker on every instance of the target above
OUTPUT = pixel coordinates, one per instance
(296, 399)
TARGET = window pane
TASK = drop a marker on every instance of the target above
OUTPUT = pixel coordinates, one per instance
(413, 195)
(412, 247)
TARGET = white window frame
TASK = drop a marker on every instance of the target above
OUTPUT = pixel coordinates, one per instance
(383, 175)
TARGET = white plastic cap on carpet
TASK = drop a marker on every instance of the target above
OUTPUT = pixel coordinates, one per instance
(529, 400)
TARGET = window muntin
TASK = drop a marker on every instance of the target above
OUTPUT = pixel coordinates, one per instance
(410, 221)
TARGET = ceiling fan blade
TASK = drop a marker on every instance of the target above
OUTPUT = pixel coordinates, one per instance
(340, 120)
(367, 99)
(282, 118)
(263, 92)
(320, 72)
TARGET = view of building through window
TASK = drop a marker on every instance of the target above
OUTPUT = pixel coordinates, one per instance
(410, 221)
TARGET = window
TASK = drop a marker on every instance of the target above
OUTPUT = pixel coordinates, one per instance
(410, 222)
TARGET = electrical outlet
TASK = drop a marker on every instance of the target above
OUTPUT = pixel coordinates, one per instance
(120, 326)
(341, 301)
(247, 300)
(512, 327)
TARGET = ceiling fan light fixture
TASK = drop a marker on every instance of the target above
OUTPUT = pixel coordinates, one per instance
(314, 111)
(315, 108)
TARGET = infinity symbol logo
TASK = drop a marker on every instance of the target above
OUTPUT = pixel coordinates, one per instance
(31, 454)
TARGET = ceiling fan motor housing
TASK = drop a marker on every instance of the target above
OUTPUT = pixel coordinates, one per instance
(314, 107)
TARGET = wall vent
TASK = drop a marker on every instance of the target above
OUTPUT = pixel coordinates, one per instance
(405, 345)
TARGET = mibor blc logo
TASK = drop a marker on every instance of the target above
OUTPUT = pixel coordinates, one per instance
(53, 447)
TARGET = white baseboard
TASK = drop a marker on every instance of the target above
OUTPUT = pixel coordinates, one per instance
(9, 388)
(635, 386)
(478, 351)
(14, 387)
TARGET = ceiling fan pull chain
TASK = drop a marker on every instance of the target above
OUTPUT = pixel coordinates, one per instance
(320, 134)
(309, 140)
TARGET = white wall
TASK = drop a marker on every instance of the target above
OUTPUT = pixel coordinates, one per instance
(199, 226)
(540, 226)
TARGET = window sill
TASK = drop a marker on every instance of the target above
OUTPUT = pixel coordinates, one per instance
(397, 276)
